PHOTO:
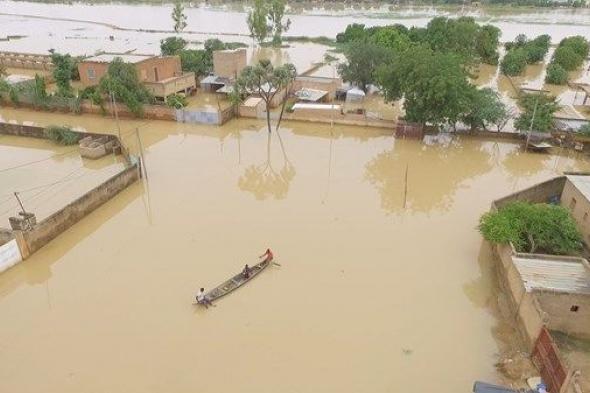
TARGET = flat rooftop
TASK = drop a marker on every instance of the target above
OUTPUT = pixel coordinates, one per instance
(582, 183)
(553, 275)
(109, 57)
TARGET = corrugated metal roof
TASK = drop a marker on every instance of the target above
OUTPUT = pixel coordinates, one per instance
(554, 275)
(582, 183)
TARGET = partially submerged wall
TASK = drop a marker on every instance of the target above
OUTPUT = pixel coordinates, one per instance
(547, 191)
(566, 312)
(58, 222)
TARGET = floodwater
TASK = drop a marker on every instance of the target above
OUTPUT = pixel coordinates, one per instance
(46, 176)
(384, 285)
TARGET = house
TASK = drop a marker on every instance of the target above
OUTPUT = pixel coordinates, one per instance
(550, 291)
(161, 75)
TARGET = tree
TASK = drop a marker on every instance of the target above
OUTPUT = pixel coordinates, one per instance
(540, 227)
(484, 108)
(276, 12)
(172, 46)
(353, 32)
(363, 58)
(556, 75)
(257, 21)
(567, 57)
(178, 17)
(122, 81)
(62, 73)
(578, 44)
(514, 62)
(391, 38)
(266, 81)
(542, 107)
(434, 85)
(486, 42)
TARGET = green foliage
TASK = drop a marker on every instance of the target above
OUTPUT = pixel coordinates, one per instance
(172, 46)
(486, 43)
(434, 85)
(62, 135)
(276, 12)
(585, 129)
(39, 90)
(362, 60)
(196, 61)
(540, 228)
(484, 109)
(514, 62)
(567, 58)
(578, 44)
(176, 101)
(265, 81)
(64, 69)
(257, 21)
(13, 94)
(391, 38)
(353, 32)
(3, 72)
(178, 17)
(121, 80)
(542, 106)
(322, 40)
(556, 75)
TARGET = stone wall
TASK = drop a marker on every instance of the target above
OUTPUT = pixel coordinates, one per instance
(544, 192)
(51, 227)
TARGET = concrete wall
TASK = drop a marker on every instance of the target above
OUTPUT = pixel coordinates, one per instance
(580, 209)
(540, 193)
(229, 63)
(338, 118)
(5, 235)
(560, 317)
(526, 310)
(51, 227)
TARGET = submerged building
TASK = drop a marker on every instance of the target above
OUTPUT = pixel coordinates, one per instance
(161, 75)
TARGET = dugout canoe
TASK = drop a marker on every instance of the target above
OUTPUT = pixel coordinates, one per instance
(236, 281)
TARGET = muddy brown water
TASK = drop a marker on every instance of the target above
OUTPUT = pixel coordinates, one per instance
(370, 296)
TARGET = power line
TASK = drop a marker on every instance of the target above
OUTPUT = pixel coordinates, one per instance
(37, 161)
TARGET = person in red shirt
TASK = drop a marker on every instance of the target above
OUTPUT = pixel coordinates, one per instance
(268, 256)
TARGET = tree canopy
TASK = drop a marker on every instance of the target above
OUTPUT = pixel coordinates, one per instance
(536, 228)
(537, 111)
(265, 81)
(178, 17)
(362, 60)
(64, 68)
(121, 80)
(172, 46)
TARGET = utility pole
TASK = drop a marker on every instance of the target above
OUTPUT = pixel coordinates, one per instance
(116, 116)
(20, 203)
(140, 145)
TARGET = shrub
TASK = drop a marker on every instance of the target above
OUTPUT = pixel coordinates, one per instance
(585, 129)
(541, 228)
(578, 44)
(62, 135)
(177, 101)
(514, 62)
(567, 58)
(556, 75)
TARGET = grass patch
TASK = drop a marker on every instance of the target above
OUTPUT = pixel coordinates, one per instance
(62, 135)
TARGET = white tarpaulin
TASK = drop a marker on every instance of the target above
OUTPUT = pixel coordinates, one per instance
(9, 255)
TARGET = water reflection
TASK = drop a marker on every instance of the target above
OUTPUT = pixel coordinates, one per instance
(264, 180)
(434, 172)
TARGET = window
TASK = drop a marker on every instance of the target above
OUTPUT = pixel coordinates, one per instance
(91, 73)
(156, 74)
(574, 308)
(573, 204)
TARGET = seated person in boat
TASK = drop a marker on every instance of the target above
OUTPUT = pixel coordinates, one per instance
(246, 272)
(202, 298)
(268, 256)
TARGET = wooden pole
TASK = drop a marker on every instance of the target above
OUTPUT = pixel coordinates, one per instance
(20, 203)
(116, 116)
(140, 145)
(406, 188)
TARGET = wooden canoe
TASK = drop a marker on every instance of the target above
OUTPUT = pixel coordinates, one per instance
(235, 282)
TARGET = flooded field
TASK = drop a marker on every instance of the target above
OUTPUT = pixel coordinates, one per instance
(379, 288)
(46, 176)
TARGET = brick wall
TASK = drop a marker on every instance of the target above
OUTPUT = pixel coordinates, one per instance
(229, 63)
(51, 227)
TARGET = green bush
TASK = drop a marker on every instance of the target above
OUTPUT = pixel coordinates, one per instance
(585, 129)
(62, 135)
(176, 101)
(578, 44)
(514, 62)
(540, 228)
(556, 75)
(567, 58)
